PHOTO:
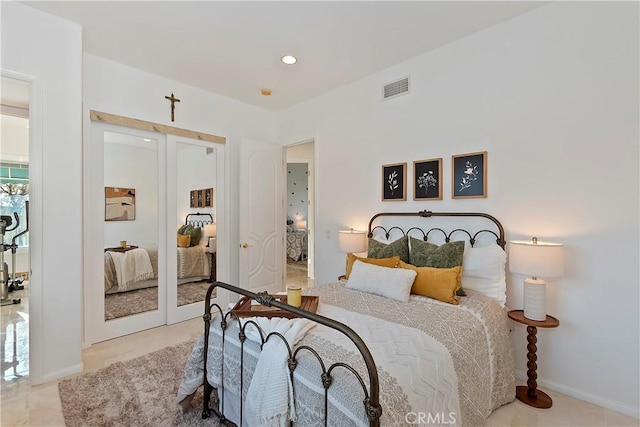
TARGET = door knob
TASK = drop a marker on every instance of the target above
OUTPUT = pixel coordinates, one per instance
(244, 245)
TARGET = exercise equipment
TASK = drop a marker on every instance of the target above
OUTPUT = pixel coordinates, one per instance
(13, 283)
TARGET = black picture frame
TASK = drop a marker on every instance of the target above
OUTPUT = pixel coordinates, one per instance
(427, 179)
(394, 182)
(469, 175)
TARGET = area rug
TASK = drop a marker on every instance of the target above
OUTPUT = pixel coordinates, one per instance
(138, 392)
(141, 300)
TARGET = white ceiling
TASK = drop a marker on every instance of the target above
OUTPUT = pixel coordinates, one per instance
(233, 48)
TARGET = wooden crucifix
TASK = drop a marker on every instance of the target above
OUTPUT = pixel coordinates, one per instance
(173, 100)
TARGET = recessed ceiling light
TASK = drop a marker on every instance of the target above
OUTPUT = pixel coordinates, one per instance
(289, 59)
(146, 140)
(265, 92)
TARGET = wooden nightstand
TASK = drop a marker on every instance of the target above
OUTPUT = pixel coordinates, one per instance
(530, 394)
(213, 258)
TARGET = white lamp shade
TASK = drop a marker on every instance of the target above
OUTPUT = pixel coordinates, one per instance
(352, 241)
(213, 244)
(541, 259)
(210, 229)
(301, 224)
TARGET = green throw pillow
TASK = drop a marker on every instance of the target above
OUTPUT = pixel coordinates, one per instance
(425, 254)
(382, 250)
(181, 229)
(194, 232)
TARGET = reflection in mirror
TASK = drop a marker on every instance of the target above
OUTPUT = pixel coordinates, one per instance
(131, 225)
(196, 213)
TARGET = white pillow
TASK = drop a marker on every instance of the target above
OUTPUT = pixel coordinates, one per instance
(483, 270)
(393, 283)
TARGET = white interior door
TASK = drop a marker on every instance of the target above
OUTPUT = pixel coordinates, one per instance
(262, 218)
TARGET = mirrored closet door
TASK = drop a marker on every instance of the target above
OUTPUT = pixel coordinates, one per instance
(153, 229)
(195, 189)
(125, 243)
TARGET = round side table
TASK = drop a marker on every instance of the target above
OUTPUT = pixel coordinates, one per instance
(530, 394)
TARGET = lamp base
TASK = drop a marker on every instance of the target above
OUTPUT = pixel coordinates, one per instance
(535, 296)
(539, 400)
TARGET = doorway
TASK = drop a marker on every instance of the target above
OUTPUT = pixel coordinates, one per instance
(14, 197)
(299, 207)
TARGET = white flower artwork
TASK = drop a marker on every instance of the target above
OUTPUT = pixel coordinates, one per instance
(469, 175)
(427, 179)
(394, 182)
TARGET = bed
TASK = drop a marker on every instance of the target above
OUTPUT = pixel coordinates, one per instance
(297, 245)
(137, 267)
(368, 359)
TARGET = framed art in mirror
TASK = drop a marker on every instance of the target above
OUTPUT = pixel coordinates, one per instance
(201, 198)
(119, 204)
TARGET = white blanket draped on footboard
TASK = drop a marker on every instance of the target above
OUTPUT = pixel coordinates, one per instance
(450, 363)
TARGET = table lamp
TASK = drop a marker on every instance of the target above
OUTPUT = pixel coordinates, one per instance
(352, 241)
(537, 259)
(211, 231)
(301, 225)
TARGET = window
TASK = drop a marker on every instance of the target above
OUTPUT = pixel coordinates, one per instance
(14, 192)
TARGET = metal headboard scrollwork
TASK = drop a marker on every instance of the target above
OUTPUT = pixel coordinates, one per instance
(500, 236)
(198, 219)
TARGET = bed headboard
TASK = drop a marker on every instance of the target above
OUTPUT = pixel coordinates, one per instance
(497, 228)
(198, 219)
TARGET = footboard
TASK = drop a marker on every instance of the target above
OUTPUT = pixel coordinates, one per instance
(371, 393)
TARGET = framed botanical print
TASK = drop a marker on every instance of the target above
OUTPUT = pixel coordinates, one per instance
(427, 179)
(394, 182)
(469, 175)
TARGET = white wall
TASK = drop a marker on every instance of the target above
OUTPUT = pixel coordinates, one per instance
(552, 96)
(297, 191)
(47, 50)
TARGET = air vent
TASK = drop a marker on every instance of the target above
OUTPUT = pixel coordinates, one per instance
(396, 88)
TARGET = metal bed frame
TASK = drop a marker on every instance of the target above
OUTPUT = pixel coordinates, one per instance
(371, 400)
(198, 222)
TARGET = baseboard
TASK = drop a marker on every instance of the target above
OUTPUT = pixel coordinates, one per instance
(53, 376)
(579, 394)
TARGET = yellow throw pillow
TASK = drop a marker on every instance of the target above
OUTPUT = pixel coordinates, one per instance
(382, 262)
(184, 240)
(437, 283)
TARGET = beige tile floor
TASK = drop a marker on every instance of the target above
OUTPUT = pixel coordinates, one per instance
(23, 404)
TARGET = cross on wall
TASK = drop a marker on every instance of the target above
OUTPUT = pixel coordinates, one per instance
(173, 100)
